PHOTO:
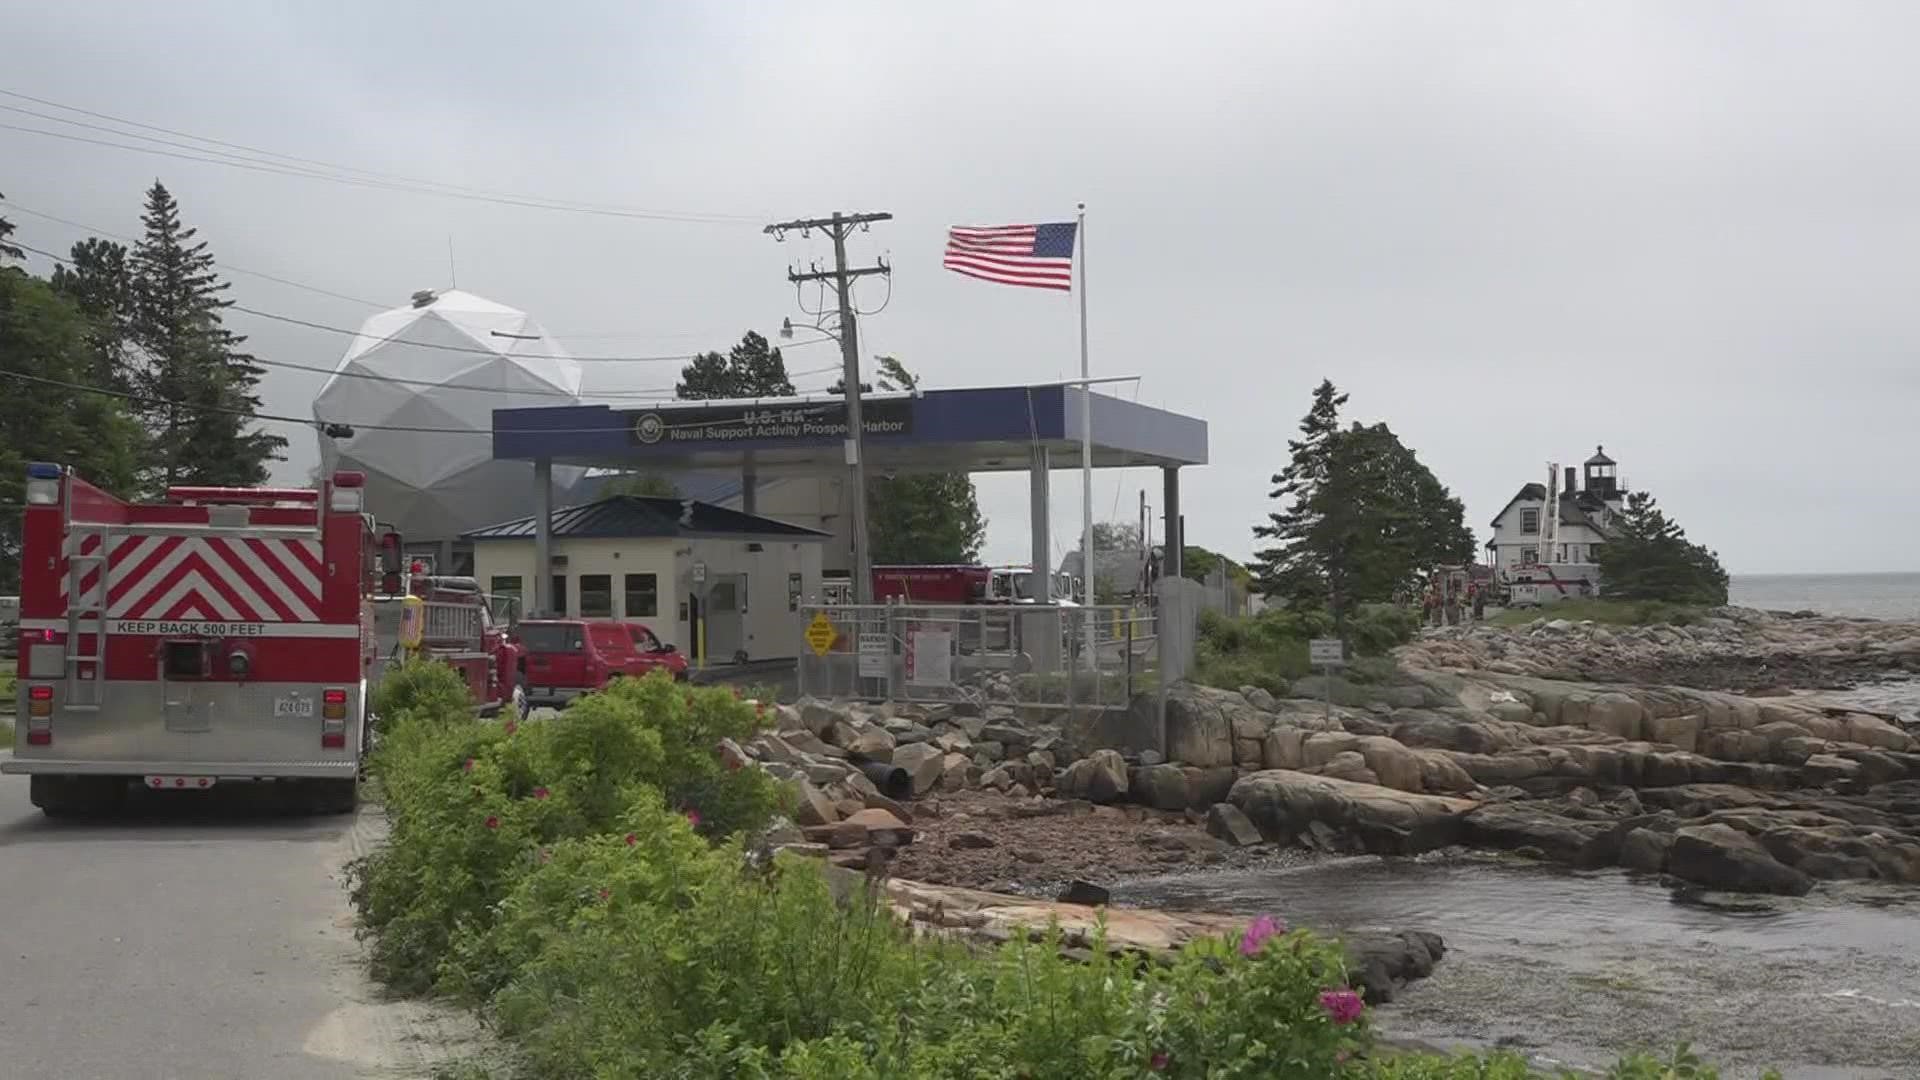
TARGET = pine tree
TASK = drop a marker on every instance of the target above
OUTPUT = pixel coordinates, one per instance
(8, 251)
(99, 280)
(200, 384)
(751, 369)
(1294, 568)
(1649, 557)
(1364, 518)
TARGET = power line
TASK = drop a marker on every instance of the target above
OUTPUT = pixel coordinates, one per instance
(571, 204)
(643, 394)
(438, 347)
(222, 265)
(666, 359)
(315, 169)
(281, 418)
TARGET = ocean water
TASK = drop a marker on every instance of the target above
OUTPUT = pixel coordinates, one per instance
(1870, 596)
(1579, 968)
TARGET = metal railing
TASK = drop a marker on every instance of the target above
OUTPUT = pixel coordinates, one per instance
(1014, 654)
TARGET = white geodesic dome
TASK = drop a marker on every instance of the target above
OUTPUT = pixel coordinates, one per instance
(461, 356)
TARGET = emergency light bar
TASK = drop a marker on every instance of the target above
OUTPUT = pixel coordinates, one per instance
(43, 484)
(349, 492)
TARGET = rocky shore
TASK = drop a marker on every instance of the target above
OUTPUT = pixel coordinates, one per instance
(1529, 741)
(1728, 649)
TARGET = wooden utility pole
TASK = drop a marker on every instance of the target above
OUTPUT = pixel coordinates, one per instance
(842, 277)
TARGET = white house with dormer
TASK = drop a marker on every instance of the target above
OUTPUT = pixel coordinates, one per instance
(1558, 545)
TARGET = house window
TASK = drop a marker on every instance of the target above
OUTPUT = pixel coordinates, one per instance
(1529, 557)
(1529, 521)
(596, 596)
(1593, 552)
(643, 596)
(558, 604)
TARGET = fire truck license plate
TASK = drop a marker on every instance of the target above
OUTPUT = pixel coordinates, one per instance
(292, 706)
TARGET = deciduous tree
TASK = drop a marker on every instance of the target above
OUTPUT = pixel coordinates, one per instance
(44, 336)
(751, 369)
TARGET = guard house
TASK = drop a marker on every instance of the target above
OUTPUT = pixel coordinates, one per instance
(1031, 429)
(620, 557)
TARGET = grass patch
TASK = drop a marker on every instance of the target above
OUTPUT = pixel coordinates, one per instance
(1269, 650)
(1608, 612)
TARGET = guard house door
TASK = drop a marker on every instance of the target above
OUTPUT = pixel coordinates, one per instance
(726, 615)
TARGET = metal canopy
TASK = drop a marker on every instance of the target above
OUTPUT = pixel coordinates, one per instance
(976, 430)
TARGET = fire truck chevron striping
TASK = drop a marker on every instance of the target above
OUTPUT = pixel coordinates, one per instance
(182, 577)
(218, 634)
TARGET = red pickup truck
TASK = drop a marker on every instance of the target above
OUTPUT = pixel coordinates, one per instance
(564, 658)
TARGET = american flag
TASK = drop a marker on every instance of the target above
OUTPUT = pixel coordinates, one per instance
(1040, 256)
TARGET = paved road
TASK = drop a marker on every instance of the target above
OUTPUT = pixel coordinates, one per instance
(191, 939)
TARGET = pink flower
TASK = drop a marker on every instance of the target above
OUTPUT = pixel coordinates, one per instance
(540, 793)
(632, 839)
(1342, 1006)
(493, 822)
(1158, 1062)
(693, 818)
(606, 893)
(510, 727)
(468, 767)
(1262, 928)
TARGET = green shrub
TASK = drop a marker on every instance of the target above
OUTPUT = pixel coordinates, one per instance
(422, 688)
(471, 801)
(1269, 650)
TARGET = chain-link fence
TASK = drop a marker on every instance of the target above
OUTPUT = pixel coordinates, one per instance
(1016, 654)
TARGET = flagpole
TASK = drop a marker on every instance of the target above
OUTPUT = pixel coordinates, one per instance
(1088, 567)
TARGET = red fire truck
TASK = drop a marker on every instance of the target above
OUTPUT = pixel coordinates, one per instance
(221, 634)
(932, 584)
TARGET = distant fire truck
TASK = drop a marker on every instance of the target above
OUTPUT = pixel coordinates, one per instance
(450, 620)
(933, 584)
(221, 634)
(966, 584)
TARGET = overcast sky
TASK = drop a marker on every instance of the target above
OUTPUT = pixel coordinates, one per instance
(1511, 230)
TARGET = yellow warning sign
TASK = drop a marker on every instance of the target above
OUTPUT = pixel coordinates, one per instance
(821, 635)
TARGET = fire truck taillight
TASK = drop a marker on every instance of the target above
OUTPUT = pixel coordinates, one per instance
(349, 492)
(43, 484)
(40, 715)
(333, 719)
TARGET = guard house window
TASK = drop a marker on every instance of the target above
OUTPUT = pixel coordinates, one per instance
(559, 602)
(643, 596)
(596, 596)
(1529, 521)
(506, 586)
